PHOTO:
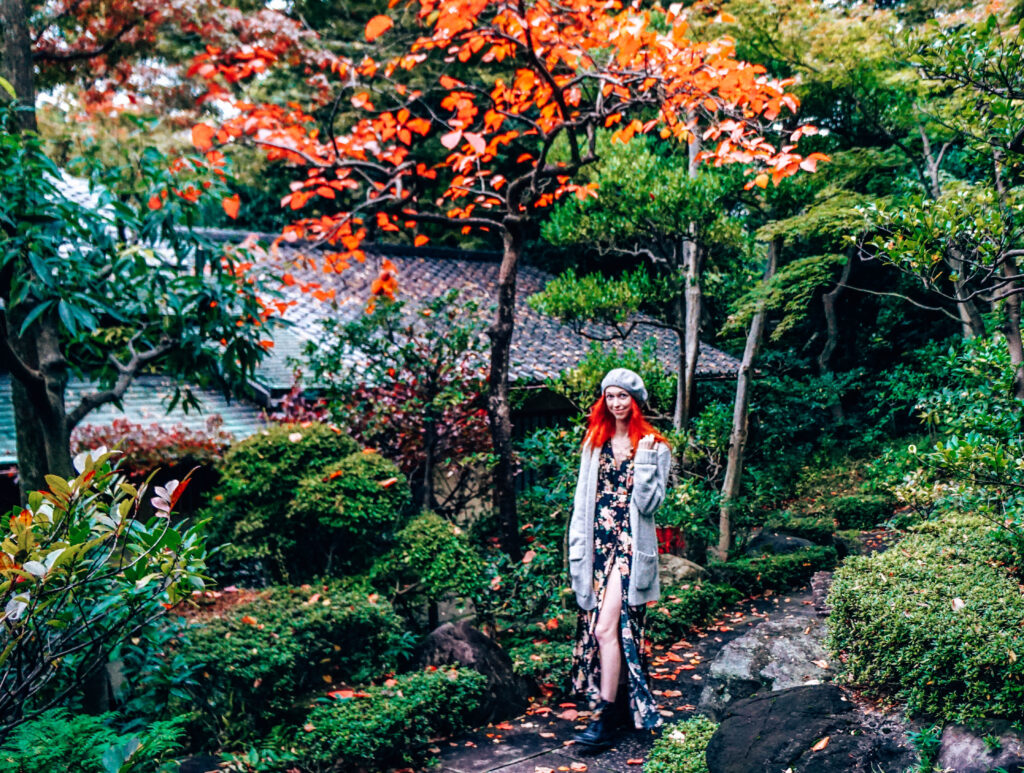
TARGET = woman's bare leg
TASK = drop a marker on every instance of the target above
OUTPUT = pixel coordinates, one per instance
(607, 634)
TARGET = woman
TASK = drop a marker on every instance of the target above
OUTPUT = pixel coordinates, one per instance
(613, 556)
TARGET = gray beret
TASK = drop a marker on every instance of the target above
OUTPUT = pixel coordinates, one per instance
(626, 379)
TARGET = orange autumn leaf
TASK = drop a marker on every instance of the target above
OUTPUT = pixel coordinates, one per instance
(155, 202)
(529, 555)
(820, 744)
(377, 26)
(202, 136)
(388, 483)
(249, 620)
(420, 240)
(231, 205)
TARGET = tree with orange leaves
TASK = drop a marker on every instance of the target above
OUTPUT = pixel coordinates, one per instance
(522, 87)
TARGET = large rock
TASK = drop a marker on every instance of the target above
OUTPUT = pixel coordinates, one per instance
(676, 570)
(775, 655)
(460, 643)
(767, 542)
(807, 729)
(965, 750)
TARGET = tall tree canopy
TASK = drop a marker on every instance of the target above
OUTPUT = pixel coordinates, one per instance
(501, 129)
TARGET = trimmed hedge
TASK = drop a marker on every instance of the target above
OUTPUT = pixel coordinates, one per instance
(546, 662)
(937, 621)
(302, 500)
(259, 659)
(682, 747)
(860, 511)
(681, 608)
(775, 572)
(392, 723)
(816, 528)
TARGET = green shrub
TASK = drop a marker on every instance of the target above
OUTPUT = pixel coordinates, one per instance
(860, 511)
(259, 478)
(431, 558)
(523, 597)
(817, 529)
(346, 513)
(546, 662)
(937, 621)
(256, 661)
(392, 723)
(58, 742)
(682, 747)
(681, 608)
(81, 574)
(776, 572)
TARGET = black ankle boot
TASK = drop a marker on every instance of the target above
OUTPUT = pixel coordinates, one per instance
(599, 732)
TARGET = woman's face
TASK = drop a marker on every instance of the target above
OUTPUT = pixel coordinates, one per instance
(619, 403)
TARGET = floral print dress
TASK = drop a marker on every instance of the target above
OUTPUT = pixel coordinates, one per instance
(613, 551)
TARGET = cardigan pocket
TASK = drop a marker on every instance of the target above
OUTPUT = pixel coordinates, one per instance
(646, 569)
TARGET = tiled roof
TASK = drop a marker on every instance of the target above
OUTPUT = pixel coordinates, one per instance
(144, 403)
(542, 346)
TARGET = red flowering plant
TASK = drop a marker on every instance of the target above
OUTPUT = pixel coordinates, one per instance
(147, 448)
(411, 383)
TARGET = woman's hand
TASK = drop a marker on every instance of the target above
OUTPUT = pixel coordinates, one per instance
(646, 443)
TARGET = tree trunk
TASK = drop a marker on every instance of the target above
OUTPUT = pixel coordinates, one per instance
(498, 409)
(16, 60)
(694, 302)
(741, 406)
(41, 427)
(828, 301)
(693, 258)
(428, 500)
(971, 323)
(678, 320)
(1008, 267)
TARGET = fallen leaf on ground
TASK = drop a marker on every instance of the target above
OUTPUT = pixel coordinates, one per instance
(569, 714)
(820, 663)
(546, 735)
(578, 767)
(634, 761)
(820, 744)
(541, 769)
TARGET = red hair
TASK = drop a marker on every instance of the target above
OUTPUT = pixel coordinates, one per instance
(601, 425)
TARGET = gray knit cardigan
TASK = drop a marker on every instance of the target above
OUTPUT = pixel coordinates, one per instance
(650, 476)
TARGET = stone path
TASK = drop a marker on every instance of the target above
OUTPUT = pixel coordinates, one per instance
(541, 738)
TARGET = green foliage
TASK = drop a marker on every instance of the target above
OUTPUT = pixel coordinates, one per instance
(59, 742)
(348, 512)
(937, 620)
(169, 295)
(548, 663)
(860, 511)
(431, 558)
(775, 572)
(926, 742)
(814, 528)
(526, 596)
(304, 497)
(593, 297)
(259, 660)
(685, 607)
(693, 506)
(67, 603)
(415, 392)
(681, 747)
(582, 384)
(789, 291)
(393, 723)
